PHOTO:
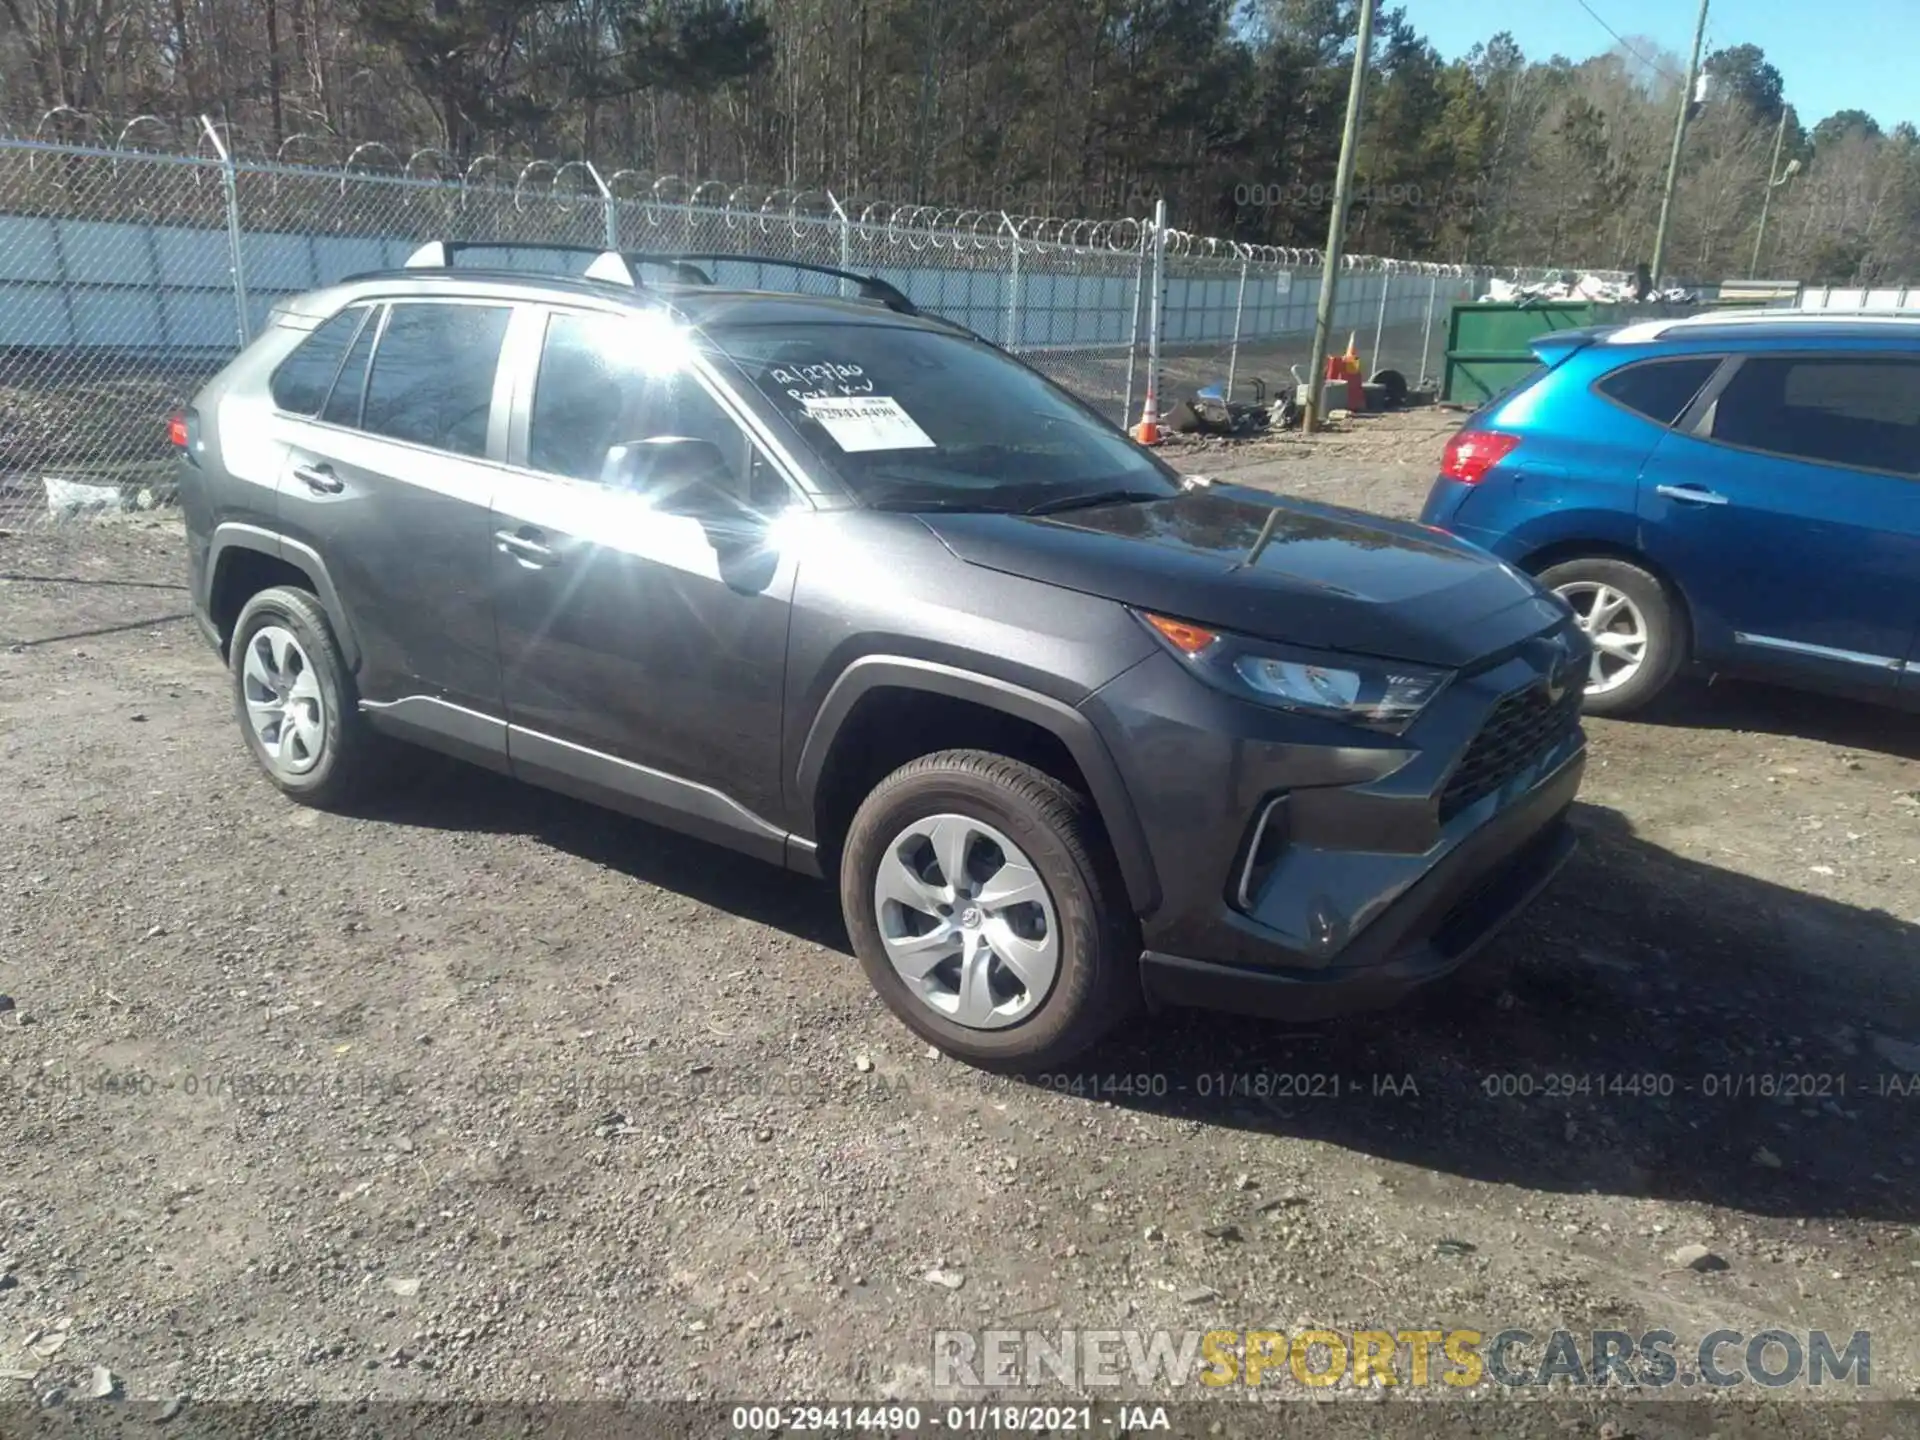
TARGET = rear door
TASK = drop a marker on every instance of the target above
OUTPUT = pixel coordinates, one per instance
(1788, 509)
(390, 483)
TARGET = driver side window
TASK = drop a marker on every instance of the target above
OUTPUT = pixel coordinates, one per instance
(596, 393)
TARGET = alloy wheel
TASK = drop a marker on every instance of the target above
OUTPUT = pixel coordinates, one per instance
(1617, 628)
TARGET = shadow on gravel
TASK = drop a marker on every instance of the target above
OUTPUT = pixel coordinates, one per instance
(88, 580)
(1770, 710)
(1654, 1027)
(445, 794)
(97, 631)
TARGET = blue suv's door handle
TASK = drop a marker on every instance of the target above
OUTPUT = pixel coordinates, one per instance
(1691, 493)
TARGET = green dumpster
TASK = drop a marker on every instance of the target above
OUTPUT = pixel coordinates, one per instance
(1489, 342)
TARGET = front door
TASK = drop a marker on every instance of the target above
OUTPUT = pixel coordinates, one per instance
(1790, 516)
(642, 651)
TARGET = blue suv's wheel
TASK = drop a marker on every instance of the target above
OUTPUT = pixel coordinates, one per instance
(1638, 643)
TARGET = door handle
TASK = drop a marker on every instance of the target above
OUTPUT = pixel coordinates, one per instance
(1693, 494)
(319, 478)
(530, 553)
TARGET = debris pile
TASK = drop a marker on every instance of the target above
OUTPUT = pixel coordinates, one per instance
(1585, 287)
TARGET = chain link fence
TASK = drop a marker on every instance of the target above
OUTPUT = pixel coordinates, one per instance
(1242, 316)
(128, 278)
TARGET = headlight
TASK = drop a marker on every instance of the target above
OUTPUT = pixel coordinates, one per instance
(1380, 694)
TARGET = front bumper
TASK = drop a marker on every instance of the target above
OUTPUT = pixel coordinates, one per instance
(1434, 927)
(1307, 868)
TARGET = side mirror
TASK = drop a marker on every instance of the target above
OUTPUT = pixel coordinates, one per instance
(684, 475)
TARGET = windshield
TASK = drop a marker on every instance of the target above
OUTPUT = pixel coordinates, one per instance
(923, 420)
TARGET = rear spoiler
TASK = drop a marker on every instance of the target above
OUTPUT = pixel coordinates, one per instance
(1556, 345)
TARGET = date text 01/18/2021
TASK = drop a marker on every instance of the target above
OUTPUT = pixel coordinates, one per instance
(896, 1419)
(1716, 1085)
(1233, 1085)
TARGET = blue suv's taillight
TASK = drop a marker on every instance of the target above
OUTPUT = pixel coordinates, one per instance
(1472, 453)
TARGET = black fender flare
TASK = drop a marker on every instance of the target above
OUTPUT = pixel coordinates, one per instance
(1067, 724)
(232, 535)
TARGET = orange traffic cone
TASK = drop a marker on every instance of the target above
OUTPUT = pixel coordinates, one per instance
(1350, 363)
(1147, 432)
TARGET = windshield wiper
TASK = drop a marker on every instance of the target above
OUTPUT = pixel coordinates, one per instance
(1088, 499)
(910, 504)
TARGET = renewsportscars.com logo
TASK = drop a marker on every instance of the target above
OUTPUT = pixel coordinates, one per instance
(1148, 1361)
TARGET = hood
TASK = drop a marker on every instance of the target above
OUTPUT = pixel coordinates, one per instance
(1274, 567)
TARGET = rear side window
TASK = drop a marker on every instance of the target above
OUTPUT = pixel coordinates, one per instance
(301, 381)
(1661, 390)
(1839, 410)
(432, 376)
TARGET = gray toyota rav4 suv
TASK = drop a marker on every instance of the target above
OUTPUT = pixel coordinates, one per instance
(838, 583)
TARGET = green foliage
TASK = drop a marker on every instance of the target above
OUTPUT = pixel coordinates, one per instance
(1748, 79)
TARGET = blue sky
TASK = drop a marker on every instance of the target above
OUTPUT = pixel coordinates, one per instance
(1859, 53)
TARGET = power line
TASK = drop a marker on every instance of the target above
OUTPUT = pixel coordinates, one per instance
(1627, 46)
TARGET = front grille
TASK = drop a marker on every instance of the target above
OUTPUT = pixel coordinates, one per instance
(1522, 726)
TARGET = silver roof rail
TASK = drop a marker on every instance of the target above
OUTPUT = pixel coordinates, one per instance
(1640, 331)
(609, 266)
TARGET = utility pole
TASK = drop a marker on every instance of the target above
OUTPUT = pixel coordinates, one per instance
(1673, 160)
(1766, 200)
(1310, 416)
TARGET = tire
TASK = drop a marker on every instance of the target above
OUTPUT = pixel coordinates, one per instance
(1094, 981)
(1394, 384)
(350, 756)
(1649, 607)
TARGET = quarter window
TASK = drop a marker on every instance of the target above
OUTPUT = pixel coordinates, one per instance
(432, 376)
(1661, 390)
(301, 381)
(1863, 413)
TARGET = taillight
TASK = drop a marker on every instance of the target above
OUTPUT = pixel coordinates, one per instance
(1472, 453)
(177, 430)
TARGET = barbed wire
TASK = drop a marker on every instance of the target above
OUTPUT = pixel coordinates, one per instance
(145, 254)
(528, 181)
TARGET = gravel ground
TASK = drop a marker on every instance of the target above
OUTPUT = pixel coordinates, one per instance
(488, 1094)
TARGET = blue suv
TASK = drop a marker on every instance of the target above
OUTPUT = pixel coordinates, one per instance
(1735, 493)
